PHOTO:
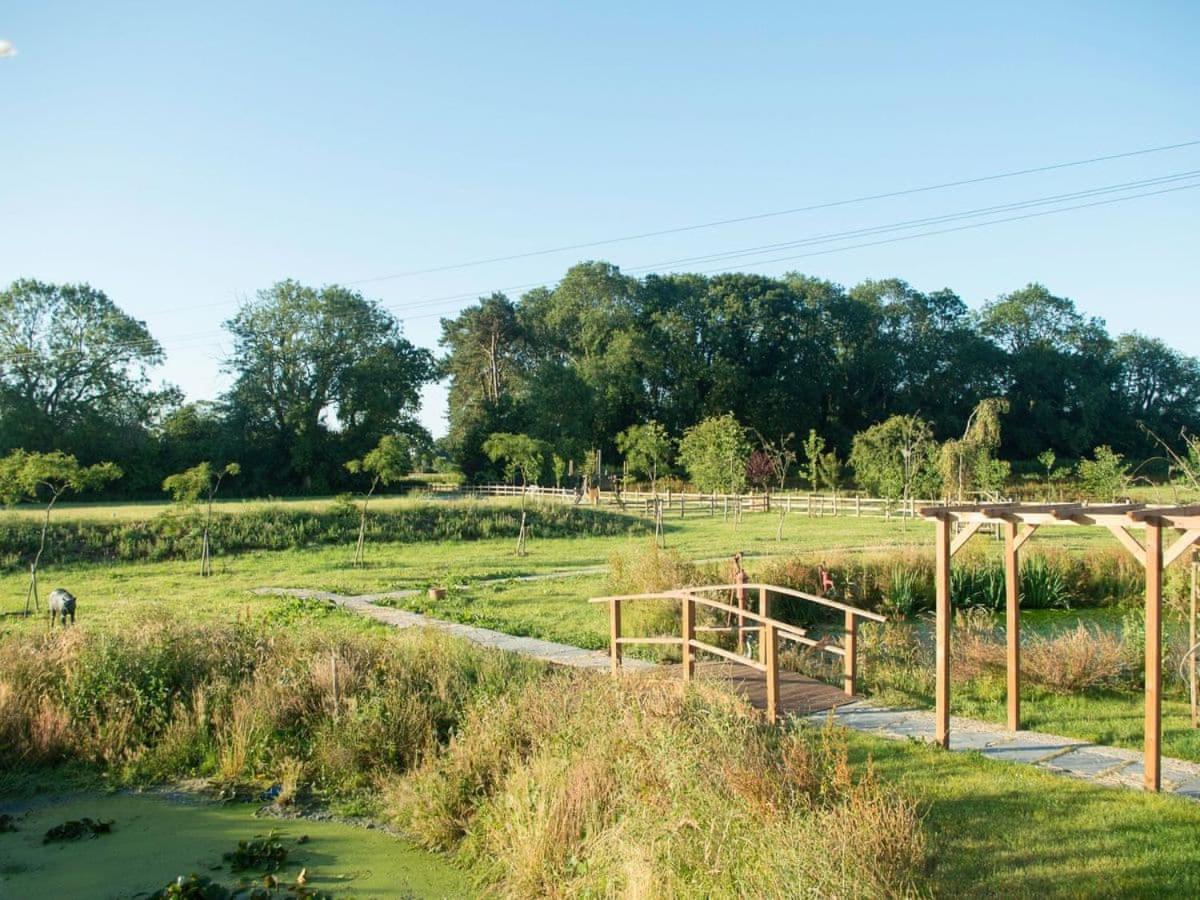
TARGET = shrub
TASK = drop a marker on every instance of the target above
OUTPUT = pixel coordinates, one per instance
(579, 786)
(177, 535)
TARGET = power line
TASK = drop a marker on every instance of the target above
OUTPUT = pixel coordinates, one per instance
(205, 338)
(776, 213)
(910, 237)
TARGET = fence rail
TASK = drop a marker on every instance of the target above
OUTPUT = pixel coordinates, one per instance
(681, 504)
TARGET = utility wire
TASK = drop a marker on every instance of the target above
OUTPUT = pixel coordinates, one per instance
(205, 337)
(562, 248)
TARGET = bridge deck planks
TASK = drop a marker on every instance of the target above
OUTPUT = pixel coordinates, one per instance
(797, 693)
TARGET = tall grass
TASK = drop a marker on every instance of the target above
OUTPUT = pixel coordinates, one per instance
(176, 535)
(901, 583)
(239, 703)
(577, 786)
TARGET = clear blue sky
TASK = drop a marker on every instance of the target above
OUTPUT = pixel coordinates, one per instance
(183, 156)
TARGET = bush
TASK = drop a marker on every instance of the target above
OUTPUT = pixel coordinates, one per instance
(174, 535)
(584, 786)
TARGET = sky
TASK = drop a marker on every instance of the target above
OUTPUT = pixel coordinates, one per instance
(182, 157)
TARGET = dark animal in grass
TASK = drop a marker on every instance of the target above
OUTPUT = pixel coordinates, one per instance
(62, 604)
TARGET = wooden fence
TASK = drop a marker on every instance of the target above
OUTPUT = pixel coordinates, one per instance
(679, 504)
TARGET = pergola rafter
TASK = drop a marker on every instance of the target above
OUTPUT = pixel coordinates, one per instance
(1018, 522)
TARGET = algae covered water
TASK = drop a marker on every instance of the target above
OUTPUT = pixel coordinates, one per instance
(153, 840)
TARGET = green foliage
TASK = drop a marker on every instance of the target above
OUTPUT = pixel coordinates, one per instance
(272, 528)
(388, 462)
(814, 450)
(1106, 476)
(896, 458)
(34, 477)
(300, 351)
(969, 465)
(263, 853)
(646, 449)
(714, 454)
(520, 454)
(198, 482)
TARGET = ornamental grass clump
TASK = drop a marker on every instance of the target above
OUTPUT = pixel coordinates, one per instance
(579, 786)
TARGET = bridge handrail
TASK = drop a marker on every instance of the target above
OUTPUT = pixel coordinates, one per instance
(790, 592)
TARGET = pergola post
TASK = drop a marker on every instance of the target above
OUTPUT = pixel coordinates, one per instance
(1152, 763)
(942, 634)
(1012, 596)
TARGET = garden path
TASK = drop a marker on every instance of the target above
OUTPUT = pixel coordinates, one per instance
(1098, 764)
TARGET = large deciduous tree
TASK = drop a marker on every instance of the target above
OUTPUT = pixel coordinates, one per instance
(74, 372)
(306, 358)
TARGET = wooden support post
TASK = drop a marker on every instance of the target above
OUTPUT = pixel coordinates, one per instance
(771, 646)
(740, 581)
(764, 610)
(942, 635)
(850, 681)
(614, 635)
(1152, 734)
(858, 506)
(1192, 686)
(1012, 597)
(688, 628)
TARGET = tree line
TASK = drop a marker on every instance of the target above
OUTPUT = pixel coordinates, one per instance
(578, 364)
(321, 375)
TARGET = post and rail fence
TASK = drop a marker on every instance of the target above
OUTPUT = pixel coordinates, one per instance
(681, 504)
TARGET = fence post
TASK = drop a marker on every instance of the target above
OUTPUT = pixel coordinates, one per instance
(688, 628)
(614, 635)
(850, 682)
(771, 648)
(858, 506)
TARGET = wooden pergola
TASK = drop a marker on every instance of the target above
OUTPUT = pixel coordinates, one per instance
(1018, 523)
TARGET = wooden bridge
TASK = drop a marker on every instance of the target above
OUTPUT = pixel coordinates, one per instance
(758, 678)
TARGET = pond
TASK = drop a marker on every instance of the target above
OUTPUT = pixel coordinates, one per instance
(154, 840)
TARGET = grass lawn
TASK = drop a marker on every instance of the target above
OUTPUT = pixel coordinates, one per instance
(1006, 830)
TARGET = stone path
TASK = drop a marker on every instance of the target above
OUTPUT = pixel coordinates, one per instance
(1112, 766)
(1098, 764)
(546, 651)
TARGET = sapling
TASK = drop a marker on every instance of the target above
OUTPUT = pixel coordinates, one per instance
(522, 456)
(389, 462)
(192, 485)
(46, 477)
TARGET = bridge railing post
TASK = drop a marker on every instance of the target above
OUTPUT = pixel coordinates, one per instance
(850, 660)
(740, 581)
(688, 628)
(614, 635)
(764, 610)
(771, 661)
